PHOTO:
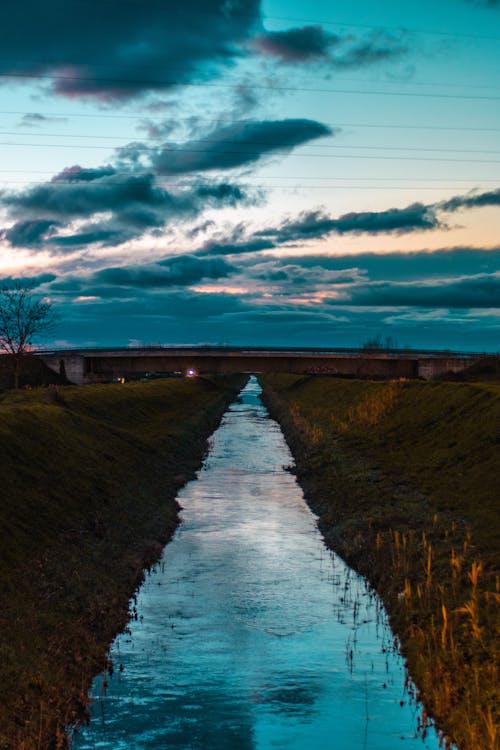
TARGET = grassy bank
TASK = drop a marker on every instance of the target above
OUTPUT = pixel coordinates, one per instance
(404, 477)
(89, 477)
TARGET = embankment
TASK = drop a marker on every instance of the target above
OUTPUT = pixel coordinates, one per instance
(88, 483)
(404, 478)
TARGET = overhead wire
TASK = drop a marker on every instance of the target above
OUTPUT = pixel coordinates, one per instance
(333, 22)
(274, 144)
(338, 76)
(298, 187)
(144, 117)
(293, 154)
(155, 84)
(279, 177)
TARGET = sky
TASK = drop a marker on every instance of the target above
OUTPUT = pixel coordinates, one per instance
(254, 172)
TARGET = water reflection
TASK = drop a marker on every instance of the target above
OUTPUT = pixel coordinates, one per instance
(250, 633)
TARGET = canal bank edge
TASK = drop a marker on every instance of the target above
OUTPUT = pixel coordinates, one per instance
(402, 477)
(89, 479)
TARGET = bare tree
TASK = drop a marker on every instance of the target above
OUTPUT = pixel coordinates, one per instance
(23, 317)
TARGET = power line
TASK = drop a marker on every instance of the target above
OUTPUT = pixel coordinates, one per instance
(330, 22)
(398, 29)
(415, 127)
(152, 83)
(125, 178)
(275, 144)
(338, 77)
(269, 177)
(298, 186)
(259, 153)
(143, 116)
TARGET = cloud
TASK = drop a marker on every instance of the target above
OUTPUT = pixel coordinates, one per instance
(110, 206)
(117, 50)
(177, 271)
(235, 247)
(183, 316)
(33, 119)
(317, 224)
(480, 292)
(311, 225)
(474, 200)
(228, 146)
(413, 218)
(29, 233)
(33, 282)
(372, 49)
(305, 43)
(452, 278)
(313, 43)
(291, 276)
(180, 270)
(416, 265)
(441, 298)
(76, 173)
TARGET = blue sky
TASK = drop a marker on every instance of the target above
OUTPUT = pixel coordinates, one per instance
(254, 172)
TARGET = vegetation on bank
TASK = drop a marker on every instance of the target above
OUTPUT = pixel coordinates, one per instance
(89, 478)
(404, 478)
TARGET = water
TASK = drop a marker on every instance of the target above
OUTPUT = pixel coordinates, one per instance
(250, 634)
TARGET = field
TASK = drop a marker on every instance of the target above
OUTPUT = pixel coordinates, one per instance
(404, 477)
(89, 477)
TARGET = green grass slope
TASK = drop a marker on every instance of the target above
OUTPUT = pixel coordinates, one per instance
(89, 477)
(404, 477)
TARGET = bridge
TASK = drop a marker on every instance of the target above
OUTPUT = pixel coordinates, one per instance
(108, 364)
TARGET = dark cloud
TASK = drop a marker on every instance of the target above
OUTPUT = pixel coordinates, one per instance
(309, 300)
(29, 233)
(315, 224)
(235, 247)
(182, 316)
(478, 200)
(237, 242)
(222, 192)
(412, 218)
(91, 236)
(450, 278)
(192, 269)
(229, 146)
(181, 270)
(131, 203)
(305, 43)
(77, 198)
(113, 204)
(310, 43)
(201, 228)
(373, 49)
(76, 173)
(33, 282)
(117, 50)
(481, 292)
(293, 275)
(417, 265)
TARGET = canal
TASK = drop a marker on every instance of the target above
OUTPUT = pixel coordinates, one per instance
(250, 634)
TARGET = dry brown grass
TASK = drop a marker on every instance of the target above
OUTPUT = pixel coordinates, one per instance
(89, 477)
(404, 478)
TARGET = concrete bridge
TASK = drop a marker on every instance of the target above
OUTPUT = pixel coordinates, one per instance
(105, 365)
